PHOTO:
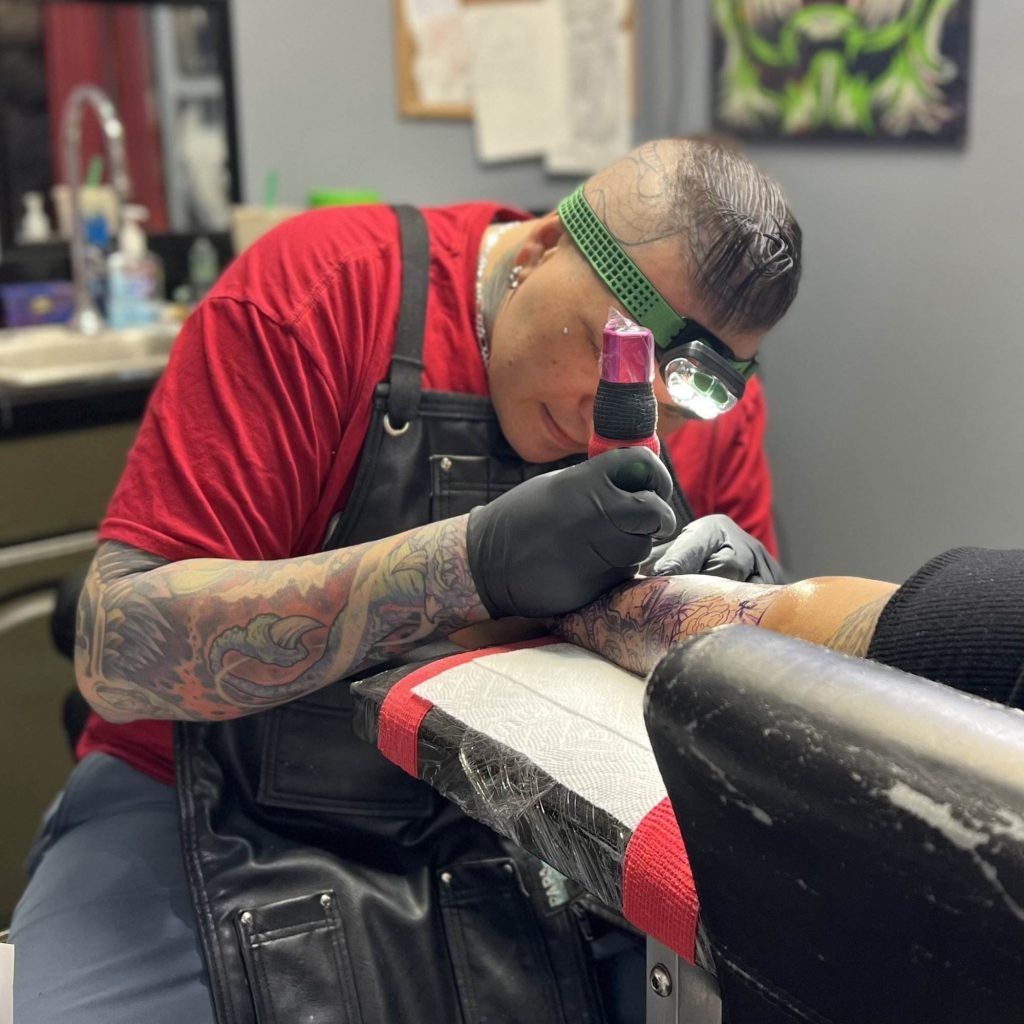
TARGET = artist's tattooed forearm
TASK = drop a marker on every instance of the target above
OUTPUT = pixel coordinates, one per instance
(209, 639)
(636, 625)
(855, 633)
(106, 637)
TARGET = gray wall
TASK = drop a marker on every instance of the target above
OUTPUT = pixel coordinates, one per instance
(317, 102)
(894, 382)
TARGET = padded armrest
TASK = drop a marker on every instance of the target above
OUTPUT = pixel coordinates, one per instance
(856, 834)
(545, 743)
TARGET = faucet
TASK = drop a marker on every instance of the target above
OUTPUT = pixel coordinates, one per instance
(86, 317)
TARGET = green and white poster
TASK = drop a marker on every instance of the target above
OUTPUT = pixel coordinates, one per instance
(885, 70)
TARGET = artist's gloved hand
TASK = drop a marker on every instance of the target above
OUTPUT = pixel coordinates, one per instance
(716, 546)
(560, 540)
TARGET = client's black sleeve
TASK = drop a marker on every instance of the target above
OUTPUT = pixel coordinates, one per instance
(960, 620)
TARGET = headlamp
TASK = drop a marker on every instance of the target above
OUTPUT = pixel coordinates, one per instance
(702, 374)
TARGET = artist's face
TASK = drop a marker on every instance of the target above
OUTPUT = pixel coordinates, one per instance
(546, 344)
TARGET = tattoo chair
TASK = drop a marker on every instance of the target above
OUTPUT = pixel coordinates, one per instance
(856, 834)
(545, 743)
(63, 622)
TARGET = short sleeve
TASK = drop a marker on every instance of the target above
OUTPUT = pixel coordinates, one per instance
(236, 444)
(743, 485)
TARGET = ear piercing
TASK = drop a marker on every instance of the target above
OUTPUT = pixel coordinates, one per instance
(513, 277)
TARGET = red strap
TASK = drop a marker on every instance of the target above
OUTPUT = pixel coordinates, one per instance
(599, 445)
(658, 894)
(403, 711)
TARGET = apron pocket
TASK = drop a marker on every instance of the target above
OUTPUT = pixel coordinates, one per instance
(312, 760)
(458, 483)
(297, 961)
(494, 942)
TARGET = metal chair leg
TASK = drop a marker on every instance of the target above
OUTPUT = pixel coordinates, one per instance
(679, 992)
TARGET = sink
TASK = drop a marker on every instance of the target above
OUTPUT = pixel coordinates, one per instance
(54, 356)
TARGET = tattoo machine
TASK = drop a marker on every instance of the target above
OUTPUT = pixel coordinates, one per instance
(625, 410)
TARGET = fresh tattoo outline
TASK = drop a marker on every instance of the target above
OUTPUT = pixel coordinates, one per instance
(639, 623)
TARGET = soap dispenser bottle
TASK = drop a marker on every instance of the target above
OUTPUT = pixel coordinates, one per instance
(97, 245)
(134, 275)
(35, 225)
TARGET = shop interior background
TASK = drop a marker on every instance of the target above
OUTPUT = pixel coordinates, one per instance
(895, 416)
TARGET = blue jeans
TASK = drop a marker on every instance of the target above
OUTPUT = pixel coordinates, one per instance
(105, 931)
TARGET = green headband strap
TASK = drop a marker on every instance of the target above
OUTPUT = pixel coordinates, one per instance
(628, 283)
(644, 303)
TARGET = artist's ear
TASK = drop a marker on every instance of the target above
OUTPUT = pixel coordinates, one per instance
(540, 243)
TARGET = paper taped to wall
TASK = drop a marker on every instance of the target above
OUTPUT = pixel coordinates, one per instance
(594, 97)
(516, 61)
(440, 65)
(552, 78)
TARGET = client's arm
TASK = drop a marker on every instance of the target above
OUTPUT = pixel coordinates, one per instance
(639, 622)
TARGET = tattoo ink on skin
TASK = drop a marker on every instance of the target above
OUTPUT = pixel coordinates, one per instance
(496, 288)
(634, 197)
(854, 635)
(636, 625)
(208, 639)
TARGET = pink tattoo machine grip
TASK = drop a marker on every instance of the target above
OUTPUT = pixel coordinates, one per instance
(625, 409)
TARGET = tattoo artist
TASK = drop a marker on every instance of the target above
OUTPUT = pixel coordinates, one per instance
(296, 510)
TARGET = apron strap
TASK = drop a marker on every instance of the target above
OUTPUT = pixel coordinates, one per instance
(407, 358)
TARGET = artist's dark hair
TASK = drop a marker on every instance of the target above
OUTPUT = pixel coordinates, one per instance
(743, 239)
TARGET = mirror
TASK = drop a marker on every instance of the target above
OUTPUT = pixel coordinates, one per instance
(166, 66)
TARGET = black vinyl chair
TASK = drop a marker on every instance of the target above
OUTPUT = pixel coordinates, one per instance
(62, 629)
(856, 834)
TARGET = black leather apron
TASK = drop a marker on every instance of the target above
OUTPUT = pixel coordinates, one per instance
(329, 886)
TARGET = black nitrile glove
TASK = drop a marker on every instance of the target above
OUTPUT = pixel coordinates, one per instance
(716, 546)
(558, 541)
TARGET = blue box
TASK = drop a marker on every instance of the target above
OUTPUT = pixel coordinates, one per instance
(41, 302)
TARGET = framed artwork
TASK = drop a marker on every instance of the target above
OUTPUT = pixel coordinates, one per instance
(881, 70)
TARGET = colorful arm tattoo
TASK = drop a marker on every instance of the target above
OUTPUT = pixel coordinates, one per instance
(857, 629)
(637, 624)
(214, 639)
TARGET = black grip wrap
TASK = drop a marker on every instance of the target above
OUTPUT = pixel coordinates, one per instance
(625, 412)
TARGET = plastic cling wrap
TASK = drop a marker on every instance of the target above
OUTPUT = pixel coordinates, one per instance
(545, 744)
(625, 409)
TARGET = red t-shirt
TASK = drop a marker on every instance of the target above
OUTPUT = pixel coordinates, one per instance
(252, 437)
(722, 466)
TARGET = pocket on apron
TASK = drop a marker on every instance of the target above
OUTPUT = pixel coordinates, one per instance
(297, 961)
(458, 483)
(494, 942)
(312, 760)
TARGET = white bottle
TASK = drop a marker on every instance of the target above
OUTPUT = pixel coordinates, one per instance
(203, 267)
(134, 275)
(35, 225)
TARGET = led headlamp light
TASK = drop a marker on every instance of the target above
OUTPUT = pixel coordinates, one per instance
(701, 372)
